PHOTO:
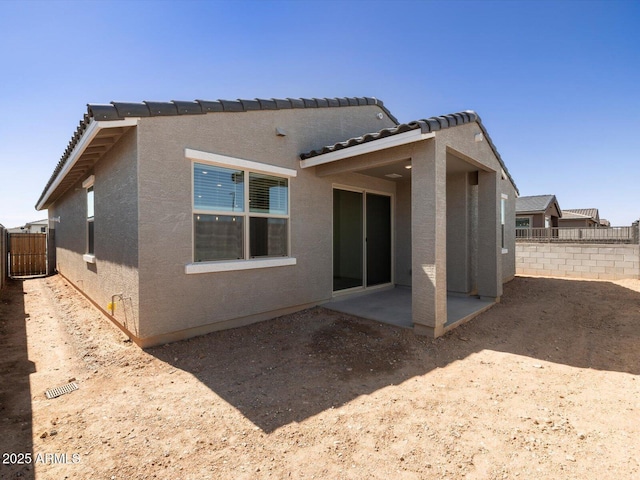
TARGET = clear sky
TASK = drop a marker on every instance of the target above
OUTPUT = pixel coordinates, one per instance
(556, 83)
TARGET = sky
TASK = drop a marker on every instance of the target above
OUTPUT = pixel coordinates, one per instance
(556, 83)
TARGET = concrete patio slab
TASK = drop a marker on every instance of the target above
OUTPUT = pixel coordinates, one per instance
(393, 306)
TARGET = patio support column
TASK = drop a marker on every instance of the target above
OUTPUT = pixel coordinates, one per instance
(429, 238)
(489, 281)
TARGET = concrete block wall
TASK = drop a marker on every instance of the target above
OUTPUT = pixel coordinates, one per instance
(598, 262)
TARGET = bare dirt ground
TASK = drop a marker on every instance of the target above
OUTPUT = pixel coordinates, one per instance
(543, 386)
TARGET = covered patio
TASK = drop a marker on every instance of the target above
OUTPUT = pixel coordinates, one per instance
(393, 306)
(449, 211)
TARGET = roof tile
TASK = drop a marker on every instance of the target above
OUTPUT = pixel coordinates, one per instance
(210, 107)
(162, 108)
(297, 103)
(282, 103)
(232, 106)
(188, 108)
(321, 102)
(126, 109)
(249, 105)
(310, 103)
(268, 104)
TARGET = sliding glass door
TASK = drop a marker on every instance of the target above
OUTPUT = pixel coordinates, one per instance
(361, 239)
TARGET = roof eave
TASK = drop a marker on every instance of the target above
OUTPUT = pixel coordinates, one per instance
(84, 142)
(368, 147)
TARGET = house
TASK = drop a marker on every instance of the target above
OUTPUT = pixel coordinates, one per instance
(182, 218)
(537, 211)
(580, 217)
(39, 226)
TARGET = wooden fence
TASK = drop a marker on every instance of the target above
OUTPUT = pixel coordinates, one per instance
(27, 254)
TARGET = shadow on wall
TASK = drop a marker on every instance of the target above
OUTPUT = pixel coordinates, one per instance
(15, 390)
(294, 367)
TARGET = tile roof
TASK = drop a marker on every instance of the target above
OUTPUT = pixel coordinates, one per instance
(121, 110)
(534, 203)
(581, 213)
(427, 125)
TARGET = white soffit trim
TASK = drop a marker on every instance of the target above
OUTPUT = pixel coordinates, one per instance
(368, 147)
(240, 163)
(87, 137)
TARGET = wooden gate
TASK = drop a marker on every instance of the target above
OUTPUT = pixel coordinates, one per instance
(27, 254)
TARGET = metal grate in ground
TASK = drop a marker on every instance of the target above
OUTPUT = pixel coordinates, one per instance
(56, 392)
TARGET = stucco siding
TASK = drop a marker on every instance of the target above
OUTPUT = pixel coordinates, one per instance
(172, 300)
(403, 234)
(115, 233)
(508, 258)
(458, 232)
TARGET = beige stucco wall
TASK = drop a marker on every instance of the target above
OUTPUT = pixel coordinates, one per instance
(461, 141)
(115, 226)
(403, 234)
(171, 300)
(594, 261)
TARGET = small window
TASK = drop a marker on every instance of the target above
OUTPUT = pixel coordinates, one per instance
(90, 221)
(523, 222)
(503, 217)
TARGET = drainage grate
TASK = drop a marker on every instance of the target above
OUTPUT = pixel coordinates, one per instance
(56, 392)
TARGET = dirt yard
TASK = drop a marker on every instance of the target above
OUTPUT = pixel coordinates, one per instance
(543, 386)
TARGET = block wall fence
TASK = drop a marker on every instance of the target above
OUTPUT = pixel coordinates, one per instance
(593, 261)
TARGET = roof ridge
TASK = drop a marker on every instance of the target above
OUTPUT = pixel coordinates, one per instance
(120, 110)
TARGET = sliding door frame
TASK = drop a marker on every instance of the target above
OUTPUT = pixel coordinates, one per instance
(364, 287)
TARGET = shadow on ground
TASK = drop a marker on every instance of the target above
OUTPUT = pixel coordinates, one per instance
(291, 368)
(15, 391)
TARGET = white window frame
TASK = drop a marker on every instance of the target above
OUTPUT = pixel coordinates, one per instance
(247, 166)
(529, 217)
(503, 221)
(87, 184)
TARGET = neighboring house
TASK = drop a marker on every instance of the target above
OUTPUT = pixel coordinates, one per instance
(537, 211)
(190, 217)
(39, 226)
(580, 217)
(605, 223)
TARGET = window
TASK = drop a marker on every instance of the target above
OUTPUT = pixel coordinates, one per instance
(503, 216)
(90, 252)
(239, 213)
(523, 222)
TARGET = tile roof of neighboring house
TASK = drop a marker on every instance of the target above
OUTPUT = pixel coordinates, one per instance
(581, 213)
(427, 125)
(535, 203)
(121, 110)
